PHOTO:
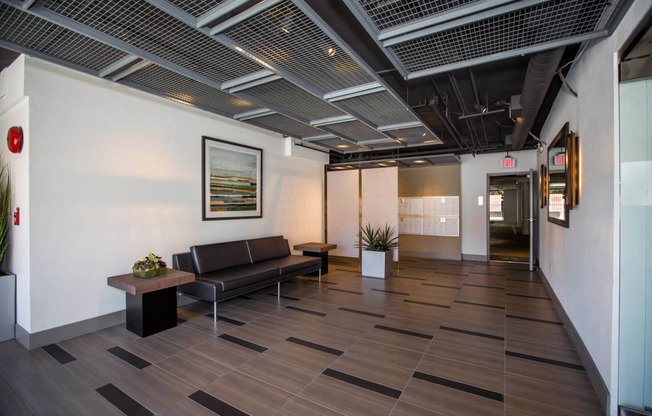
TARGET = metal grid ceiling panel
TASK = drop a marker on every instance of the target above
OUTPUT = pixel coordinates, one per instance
(414, 135)
(197, 8)
(179, 88)
(338, 144)
(22, 29)
(285, 37)
(146, 27)
(355, 130)
(380, 108)
(279, 122)
(290, 99)
(519, 29)
(387, 14)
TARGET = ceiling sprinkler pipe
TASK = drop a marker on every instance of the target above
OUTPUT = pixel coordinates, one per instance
(540, 71)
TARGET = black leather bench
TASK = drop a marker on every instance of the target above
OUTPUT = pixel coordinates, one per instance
(230, 269)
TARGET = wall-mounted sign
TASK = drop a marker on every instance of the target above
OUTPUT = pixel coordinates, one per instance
(508, 162)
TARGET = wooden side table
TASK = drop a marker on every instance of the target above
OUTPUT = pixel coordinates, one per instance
(317, 250)
(151, 303)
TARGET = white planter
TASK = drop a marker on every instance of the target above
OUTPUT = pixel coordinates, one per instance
(7, 307)
(377, 263)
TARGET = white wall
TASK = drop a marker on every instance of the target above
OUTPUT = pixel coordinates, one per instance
(581, 261)
(14, 111)
(116, 173)
(343, 219)
(380, 199)
(474, 184)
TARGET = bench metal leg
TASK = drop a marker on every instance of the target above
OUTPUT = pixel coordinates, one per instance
(215, 312)
(319, 275)
(278, 291)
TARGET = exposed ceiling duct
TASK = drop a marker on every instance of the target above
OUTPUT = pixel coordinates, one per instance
(541, 68)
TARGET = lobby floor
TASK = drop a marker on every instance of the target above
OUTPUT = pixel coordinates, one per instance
(439, 338)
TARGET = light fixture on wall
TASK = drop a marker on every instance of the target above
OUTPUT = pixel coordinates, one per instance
(15, 139)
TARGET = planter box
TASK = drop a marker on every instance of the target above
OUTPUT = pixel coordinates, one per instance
(150, 273)
(377, 263)
(7, 307)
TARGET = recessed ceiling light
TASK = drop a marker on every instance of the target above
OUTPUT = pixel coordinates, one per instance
(420, 161)
(285, 29)
(430, 141)
(331, 51)
(342, 146)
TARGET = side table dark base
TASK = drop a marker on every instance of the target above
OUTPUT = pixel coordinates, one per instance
(152, 312)
(324, 261)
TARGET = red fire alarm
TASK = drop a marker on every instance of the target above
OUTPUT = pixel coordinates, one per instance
(15, 139)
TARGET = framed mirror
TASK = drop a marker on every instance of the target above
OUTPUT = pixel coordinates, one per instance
(558, 178)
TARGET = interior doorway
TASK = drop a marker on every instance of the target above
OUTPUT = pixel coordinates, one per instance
(509, 235)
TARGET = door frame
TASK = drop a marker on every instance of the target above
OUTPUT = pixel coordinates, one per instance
(487, 208)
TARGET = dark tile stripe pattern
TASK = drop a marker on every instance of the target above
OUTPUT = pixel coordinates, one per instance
(443, 338)
(360, 382)
(484, 305)
(243, 343)
(545, 360)
(226, 319)
(527, 318)
(403, 331)
(376, 315)
(477, 334)
(426, 303)
(215, 405)
(59, 354)
(122, 401)
(315, 346)
(459, 386)
(308, 311)
(127, 356)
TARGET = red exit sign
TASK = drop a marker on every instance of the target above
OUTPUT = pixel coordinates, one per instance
(560, 159)
(508, 163)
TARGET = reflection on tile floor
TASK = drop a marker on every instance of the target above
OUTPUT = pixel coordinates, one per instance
(438, 338)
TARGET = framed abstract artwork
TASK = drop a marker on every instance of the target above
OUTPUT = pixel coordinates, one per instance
(232, 180)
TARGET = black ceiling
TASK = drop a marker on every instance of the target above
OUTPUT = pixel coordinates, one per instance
(361, 79)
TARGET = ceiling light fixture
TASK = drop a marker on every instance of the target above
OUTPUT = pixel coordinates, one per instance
(331, 51)
(342, 146)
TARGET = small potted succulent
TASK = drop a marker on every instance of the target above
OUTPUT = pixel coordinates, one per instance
(150, 266)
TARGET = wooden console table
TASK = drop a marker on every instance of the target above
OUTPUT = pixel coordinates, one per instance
(317, 250)
(151, 303)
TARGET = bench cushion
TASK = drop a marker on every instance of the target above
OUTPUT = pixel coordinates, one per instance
(239, 276)
(292, 263)
(268, 248)
(208, 258)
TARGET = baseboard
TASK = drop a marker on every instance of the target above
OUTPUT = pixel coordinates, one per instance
(475, 257)
(61, 333)
(600, 387)
(436, 256)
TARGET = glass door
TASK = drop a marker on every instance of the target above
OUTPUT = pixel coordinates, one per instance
(509, 213)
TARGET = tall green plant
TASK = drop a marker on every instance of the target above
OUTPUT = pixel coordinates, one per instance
(377, 239)
(5, 194)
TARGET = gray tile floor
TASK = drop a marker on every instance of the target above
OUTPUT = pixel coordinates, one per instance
(439, 338)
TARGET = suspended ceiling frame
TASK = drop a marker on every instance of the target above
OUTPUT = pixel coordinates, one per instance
(138, 58)
(353, 122)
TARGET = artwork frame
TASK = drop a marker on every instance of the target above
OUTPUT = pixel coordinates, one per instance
(243, 167)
